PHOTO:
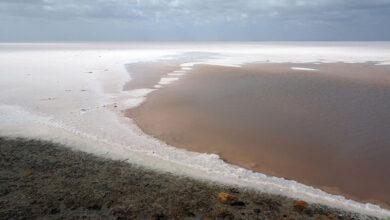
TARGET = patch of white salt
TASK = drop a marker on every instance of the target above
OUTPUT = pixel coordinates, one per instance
(167, 80)
(303, 69)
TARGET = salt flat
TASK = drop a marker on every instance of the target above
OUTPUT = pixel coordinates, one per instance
(72, 93)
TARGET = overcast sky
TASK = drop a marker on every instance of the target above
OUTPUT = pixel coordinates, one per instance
(185, 20)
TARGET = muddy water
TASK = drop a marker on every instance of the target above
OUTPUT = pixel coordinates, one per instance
(147, 74)
(328, 128)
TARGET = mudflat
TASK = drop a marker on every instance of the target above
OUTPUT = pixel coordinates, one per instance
(326, 127)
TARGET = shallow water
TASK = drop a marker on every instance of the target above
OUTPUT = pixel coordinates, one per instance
(326, 128)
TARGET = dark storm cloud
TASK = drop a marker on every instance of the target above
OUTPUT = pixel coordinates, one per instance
(194, 20)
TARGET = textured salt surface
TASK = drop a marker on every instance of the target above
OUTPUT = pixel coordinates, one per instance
(72, 93)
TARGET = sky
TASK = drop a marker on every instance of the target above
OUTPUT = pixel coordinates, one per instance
(194, 20)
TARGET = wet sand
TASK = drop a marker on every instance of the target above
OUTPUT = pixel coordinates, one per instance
(326, 128)
(43, 180)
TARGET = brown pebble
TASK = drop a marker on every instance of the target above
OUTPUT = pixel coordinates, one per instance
(227, 198)
(330, 215)
(300, 204)
(108, 204)
(29, 173)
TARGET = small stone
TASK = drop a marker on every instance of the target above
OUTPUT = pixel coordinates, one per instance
(54, 211)
(257, 211)
(225, 214)
(227, 198)
(29, 173)
(108, 204)
(234, 190)
(300, 204)
(117, 211)
(160, 216)
(94, 207)
(238, 203)
(330, 215)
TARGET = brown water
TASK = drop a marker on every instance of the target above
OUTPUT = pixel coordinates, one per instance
(147, 74)
(328, 128)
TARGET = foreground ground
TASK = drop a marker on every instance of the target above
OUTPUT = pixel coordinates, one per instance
(44, 180)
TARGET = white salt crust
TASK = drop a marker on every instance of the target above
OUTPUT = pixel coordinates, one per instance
(303, 68)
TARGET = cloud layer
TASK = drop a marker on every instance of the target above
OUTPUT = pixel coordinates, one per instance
(194, 20)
